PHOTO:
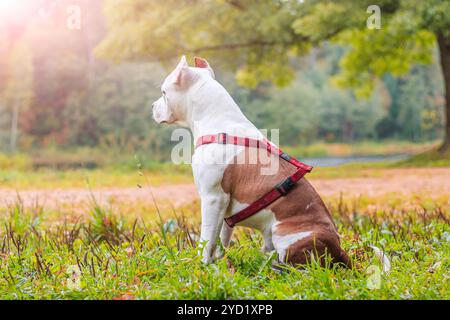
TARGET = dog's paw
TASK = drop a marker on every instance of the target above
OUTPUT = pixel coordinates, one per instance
(267, 249)
(277, 266)
(207, 259)
(220, 253)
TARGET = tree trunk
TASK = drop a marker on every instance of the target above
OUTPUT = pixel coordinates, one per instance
(14, 127)
(444, 48)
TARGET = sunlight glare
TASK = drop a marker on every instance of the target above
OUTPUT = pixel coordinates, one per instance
(13, 8)
(8, 5)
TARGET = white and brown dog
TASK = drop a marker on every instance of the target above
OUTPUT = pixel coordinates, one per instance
(296, 225)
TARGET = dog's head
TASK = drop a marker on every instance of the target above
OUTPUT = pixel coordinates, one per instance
(173, 107)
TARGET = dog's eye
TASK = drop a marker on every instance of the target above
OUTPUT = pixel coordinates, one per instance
(164, 93)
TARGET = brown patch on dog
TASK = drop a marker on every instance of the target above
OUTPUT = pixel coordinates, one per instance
(317, 245)
(300, 210)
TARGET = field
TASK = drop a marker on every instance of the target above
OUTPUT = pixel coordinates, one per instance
(92, 93)
(100, 234)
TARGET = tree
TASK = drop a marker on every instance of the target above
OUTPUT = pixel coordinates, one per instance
(18, 92)
(16, 72)
(256, 39)
(115, 111)
(415, 107)
(307, 103)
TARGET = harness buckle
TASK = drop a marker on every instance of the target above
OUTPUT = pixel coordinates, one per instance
(286, 186)
(222, 138)
(285, 156)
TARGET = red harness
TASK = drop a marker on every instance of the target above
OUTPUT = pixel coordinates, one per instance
(280, 190)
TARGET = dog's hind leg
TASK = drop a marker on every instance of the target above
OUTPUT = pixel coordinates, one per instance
(268, 243)
(213, 211)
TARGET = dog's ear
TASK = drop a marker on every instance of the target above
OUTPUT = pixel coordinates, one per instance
(203, 64)
(183, 76)
(182, 63)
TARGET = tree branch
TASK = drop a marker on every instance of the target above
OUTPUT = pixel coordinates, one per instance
(234, 46)
(236, 4)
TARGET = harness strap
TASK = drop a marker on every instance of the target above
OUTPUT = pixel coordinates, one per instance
(280, 190)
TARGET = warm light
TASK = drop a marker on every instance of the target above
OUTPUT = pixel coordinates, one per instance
(14, 9)
(7, 6)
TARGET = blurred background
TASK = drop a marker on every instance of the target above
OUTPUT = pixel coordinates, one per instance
(91, 206)
(77, 78)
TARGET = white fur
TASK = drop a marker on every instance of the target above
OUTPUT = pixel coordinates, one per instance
(193, 98)
(214, 201)
(261, 221)
(282, 243)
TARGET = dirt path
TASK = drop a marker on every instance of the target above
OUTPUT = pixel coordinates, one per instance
(433, 182)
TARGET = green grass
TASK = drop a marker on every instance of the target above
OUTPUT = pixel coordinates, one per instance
(127, 252)
(362, 148)
(427, 159)
(167, 173)
(109, 256)
(63, 170)
(98, 178)
(92, 158)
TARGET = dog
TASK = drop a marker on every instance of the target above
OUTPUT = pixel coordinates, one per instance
(298, 226)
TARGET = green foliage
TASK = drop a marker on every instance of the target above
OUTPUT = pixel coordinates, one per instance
(257, 38)
(415, 110)
(115, 111)
(15, 162)
(250, 76)
(308, 106)
(44, 260)
(68, 98)
(376, 53)
(405, 108)
(323, 20)
(17, 92)
(431, 158)
(433, 15)
(18, 88)
(258, 50)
